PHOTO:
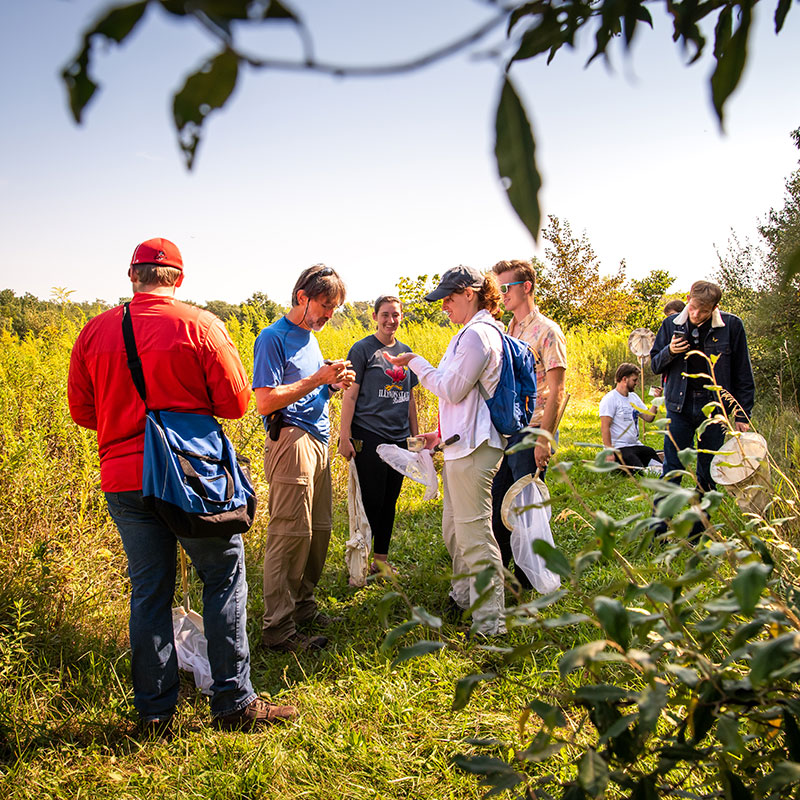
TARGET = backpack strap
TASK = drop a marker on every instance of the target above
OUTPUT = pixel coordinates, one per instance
(134, 362)
(484, 394)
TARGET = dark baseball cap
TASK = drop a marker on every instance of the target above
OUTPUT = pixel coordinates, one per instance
(456, 280)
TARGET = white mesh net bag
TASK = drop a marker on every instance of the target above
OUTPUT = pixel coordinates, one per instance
(528, 518)
(417, 466)
(356, 548)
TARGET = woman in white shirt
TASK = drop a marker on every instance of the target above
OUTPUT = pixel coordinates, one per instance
(474, 355)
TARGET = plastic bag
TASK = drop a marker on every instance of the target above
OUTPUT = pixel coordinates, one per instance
(357, 547)
(417, 466)
(528, 520)
(191, 647)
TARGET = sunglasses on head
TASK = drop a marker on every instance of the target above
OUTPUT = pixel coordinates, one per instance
(504, 287)
(323, 273)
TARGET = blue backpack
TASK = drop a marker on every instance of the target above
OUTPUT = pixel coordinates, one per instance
(511, 405)
(192, 480)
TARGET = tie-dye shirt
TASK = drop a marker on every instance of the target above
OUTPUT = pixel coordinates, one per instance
(550, 348)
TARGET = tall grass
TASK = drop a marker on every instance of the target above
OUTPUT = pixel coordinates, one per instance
(366, 729)
(594, 357)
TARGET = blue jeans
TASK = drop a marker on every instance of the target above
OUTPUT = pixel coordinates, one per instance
(151, 549)
(682, 428)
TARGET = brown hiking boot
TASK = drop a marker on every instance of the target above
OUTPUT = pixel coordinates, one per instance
(298, 643)
(256, 714)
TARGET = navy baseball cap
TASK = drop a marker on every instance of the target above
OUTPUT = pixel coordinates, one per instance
(456, 280)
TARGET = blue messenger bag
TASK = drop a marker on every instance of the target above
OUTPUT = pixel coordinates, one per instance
(192, 479)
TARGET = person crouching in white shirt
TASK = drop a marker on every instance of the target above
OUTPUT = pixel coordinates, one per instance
(620, 410)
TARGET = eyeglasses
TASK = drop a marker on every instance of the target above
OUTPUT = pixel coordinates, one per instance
(504, 287)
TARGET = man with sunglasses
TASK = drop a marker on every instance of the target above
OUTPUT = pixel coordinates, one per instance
(517, 281)
(292, 384)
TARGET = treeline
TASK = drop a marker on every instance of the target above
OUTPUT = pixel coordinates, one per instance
(759, 280)
(761, 284)
(26, 315)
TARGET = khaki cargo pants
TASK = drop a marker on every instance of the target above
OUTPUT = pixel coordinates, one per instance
(297, 468)
(467, 533)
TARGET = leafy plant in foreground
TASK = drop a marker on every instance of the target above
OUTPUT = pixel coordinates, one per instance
(686, 681)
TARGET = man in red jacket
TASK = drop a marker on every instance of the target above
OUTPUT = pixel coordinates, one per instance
(190, 364)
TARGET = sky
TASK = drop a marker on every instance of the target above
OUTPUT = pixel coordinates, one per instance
(378, 178)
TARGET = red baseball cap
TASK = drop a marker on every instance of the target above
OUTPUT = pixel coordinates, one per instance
(160, 252)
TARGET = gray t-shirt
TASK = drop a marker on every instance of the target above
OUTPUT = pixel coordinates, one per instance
(384, 389)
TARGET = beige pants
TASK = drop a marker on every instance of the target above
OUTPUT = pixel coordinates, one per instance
(297, 468)
(467, 532)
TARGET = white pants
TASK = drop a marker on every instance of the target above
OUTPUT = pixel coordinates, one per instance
(467, 532)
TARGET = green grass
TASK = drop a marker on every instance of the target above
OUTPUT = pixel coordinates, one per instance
(366, 729)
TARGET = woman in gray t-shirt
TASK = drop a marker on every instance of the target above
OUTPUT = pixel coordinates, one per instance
(378, 409)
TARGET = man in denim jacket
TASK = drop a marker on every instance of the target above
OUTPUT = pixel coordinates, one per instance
(702, 327)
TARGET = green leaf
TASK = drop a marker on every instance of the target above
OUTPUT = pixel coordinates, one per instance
(701, 716)
(677, 500)
(396, 632)
(422, 648)
(681, 752)
(744, 633)
(748, 584)
(731, 58)
(723, 31)
(119, 21)
(791, 734)
(564, 620)
(484, 578)
(645, 789)
(604, 528)
(483, 765)
(687, 676)
(426, 618)
(593, 773)
(552, 716)
(618, 727)
(115, 25)
(540, 749)
(585, 560)
(768, 657)
(733, 787)
(760, 546)
(516, 162)
(658, 593)
(553, 559)
(579, 656)
(728, 734)
(384, 604)
(465, 687)
(546, 35)
(783, 773)
(602, 692)
(526, 10)
(780, 14)
(614, 619)
(651, 701)
(203, 92)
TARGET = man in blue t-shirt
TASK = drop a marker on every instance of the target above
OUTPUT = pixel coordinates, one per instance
(292, 384)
